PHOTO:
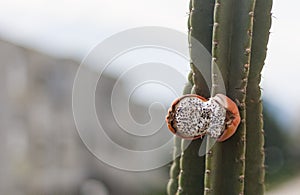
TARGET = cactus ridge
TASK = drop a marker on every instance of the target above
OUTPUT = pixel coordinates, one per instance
(191, 176)
(233, 22)
(255, 171)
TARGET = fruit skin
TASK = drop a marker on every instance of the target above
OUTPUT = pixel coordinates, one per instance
(233, 118)
(170, 116)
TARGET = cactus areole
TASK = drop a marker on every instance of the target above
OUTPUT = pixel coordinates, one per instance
(192, 117)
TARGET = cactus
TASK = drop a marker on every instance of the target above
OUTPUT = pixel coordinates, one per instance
(236, 33)
(233, 24)
(254, 174)
(174, 170)
(191, 173)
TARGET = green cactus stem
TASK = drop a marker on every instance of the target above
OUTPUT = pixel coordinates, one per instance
(255, 172)
(174, 170)
(191, 177)
(220, 43)
(232, 38)
(172, 186)
(200, 29)
(200, 23)
(236, 32)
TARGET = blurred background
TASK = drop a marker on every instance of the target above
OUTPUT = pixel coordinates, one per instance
(42, 43)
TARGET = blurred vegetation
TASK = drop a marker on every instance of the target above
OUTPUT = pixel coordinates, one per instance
(282, 161)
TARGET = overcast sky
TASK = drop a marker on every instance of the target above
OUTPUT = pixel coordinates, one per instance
(70, 28)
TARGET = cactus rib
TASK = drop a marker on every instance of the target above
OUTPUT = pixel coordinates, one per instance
(172, 186)
(254, 173)
(226, 161)
(191, 177)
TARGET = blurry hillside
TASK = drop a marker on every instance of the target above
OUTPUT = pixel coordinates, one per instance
(40, 150)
